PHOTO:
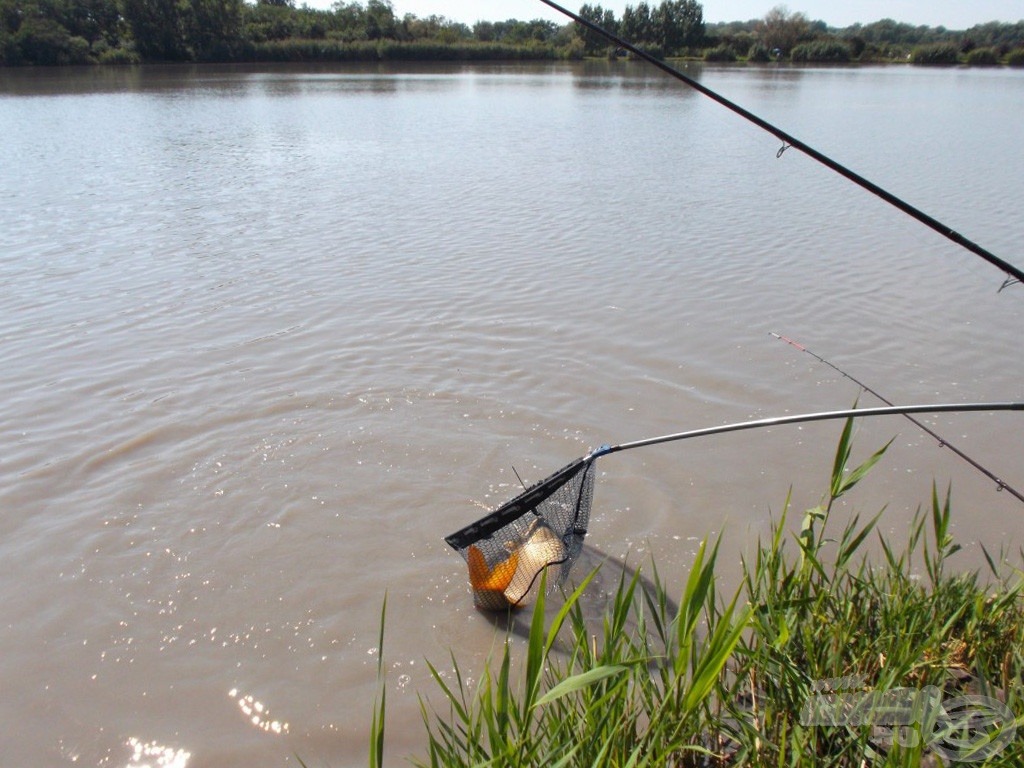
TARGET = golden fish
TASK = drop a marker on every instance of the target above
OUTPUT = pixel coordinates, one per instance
(488, 583)
(508, 582)
(541, 548)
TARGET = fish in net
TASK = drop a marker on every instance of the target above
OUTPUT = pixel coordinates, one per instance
(543, 526)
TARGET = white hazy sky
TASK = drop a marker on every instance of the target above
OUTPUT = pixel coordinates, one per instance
(953, 14)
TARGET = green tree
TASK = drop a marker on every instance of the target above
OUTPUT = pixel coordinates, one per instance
(638, 24)
(263, 22)
(595, 14)
(680, 24)
(56, 31)
(213, 29)
(91, 19)
(887, 31)
(347, 22)
(379, 20)
(857, 45)
(516, 32)
(11, 18)
(781, 30)
(433, 27)
(1004, 37)
(44, 41)
(11, 13)
(484, 31)
(158, 28)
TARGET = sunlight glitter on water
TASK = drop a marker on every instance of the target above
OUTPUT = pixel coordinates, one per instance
(258, 713)
(150, 754)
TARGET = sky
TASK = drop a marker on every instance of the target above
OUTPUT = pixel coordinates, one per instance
(952, 14)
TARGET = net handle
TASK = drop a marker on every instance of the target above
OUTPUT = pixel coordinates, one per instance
(806, 417)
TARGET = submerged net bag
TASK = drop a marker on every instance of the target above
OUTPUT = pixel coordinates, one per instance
(543, 526)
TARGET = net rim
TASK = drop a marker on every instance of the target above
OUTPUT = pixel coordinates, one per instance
(533, 496)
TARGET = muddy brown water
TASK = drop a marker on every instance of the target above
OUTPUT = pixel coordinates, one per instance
(268, 334)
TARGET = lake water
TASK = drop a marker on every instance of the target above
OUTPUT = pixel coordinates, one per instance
(268, 334)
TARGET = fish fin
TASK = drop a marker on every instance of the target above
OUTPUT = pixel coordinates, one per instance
(505, 571)
(483, 577)
(478, 570)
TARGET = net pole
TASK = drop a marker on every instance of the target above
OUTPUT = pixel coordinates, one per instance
(790, 141)
(899, 410)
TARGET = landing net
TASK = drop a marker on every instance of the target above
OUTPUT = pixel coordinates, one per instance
(543, 526)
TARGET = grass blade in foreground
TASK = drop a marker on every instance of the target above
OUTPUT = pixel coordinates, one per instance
(719, 682)
(380, 704)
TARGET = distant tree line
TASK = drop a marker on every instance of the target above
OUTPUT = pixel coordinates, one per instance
(781, 35)
(133, 31)
(676, 28)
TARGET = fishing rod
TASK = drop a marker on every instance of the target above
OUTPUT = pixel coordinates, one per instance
(943, 443)
(1015, 273)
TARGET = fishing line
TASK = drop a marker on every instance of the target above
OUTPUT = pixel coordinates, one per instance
(1015, 273)
(943, 443)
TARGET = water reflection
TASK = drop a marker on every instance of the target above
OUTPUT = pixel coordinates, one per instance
(603, 75)
(150, 754)
(257, 713)
(237, 80)
(240, 79)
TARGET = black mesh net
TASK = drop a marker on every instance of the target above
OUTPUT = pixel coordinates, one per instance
(543, 526)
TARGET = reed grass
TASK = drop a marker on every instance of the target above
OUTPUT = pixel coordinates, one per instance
(729, 680)
(983, 57)
(821, 51)
(935, 54)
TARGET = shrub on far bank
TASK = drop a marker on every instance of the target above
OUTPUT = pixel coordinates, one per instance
(653, 49)
(721, 52)
(119, 55)
(1015, 58)
(43, 41)
(759, 54)
(884, 52)
(821, 52)
(938, 54)
(983, 57)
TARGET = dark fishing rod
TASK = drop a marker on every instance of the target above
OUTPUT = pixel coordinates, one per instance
(943, 443)
(1015, 273)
